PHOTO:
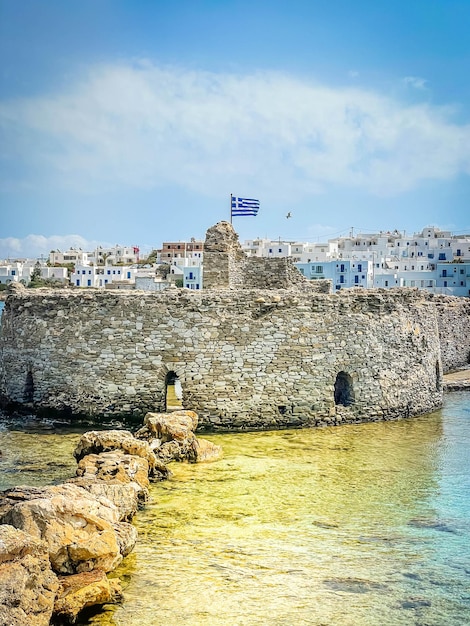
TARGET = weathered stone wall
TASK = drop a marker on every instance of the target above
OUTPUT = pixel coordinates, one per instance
(226, 266)
(245, 358)
(453, 315)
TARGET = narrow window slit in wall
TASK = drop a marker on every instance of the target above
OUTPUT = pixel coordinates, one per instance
(28, 393)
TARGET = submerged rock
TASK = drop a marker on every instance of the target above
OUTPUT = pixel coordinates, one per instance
(203, 450)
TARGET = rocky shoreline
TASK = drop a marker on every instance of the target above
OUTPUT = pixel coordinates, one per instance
(58, 543)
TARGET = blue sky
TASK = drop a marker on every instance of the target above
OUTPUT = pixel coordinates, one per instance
(132, 121)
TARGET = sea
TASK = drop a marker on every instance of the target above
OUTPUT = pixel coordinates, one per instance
(354, 525)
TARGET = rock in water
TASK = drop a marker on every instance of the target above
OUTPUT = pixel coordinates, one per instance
(80, 591)
(77, 528)
(27, 584)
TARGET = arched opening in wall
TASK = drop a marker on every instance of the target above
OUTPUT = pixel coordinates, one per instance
(173, 392)
(438, 377)
(28, 392)
(344, 392)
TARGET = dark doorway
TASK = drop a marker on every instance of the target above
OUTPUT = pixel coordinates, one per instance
(344, 392)
(173, 392)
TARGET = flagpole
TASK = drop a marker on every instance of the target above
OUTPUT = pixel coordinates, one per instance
(231, 196)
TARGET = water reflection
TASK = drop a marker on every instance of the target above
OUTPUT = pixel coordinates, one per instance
(356, 525)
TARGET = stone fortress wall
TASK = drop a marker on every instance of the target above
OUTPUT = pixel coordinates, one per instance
(246, 357)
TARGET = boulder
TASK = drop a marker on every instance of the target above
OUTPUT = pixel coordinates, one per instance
(174, 426)
(126, 497)
(171, 437)
(203, 450)
(98, 441)
(173, 451)
(115, 465)
(77, 528)
(126, 535)
(80, 591)
(27, 584)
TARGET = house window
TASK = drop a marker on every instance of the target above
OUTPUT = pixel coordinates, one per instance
(341, 279)
(356, 280)
(108, 272)
(341, 269)
(89, 283)
(359, 267)
(270, 250)
(442, 256)
(77, 282)
(13, 272)
(386, 283)
(190, 277)
(280, 249)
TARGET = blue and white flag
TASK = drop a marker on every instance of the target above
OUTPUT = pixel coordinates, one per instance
(244, 206)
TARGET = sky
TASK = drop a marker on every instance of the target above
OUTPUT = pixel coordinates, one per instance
(132, 121)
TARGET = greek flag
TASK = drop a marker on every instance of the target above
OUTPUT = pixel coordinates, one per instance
(244, 206)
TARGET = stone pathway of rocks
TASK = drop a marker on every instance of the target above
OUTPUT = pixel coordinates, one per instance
(57, 543)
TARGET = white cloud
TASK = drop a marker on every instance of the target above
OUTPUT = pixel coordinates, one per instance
(35, 246)
(415, 81)
(144, 126)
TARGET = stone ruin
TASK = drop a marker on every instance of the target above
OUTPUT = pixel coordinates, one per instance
(227, 266)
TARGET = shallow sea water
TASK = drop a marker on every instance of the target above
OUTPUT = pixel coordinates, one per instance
(358, 525)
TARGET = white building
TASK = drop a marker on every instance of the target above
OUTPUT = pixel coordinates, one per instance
(14, 272)
(126, 255)
(77, 256)
(21, 271)
(433, 260)
(343, 274)
(93, 276)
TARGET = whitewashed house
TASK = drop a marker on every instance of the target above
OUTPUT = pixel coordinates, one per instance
(100, 277)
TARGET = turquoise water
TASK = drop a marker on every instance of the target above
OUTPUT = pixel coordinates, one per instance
(358, 525)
